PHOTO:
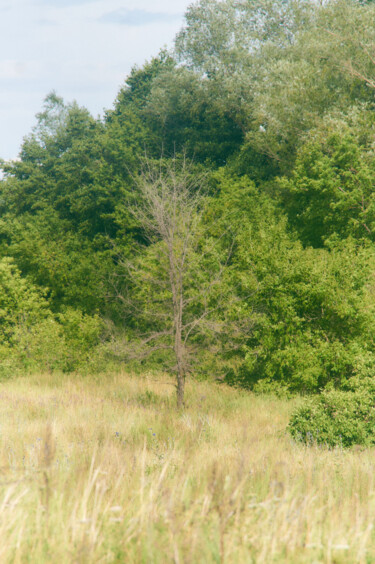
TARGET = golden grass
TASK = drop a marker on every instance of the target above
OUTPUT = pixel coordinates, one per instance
(107, 471)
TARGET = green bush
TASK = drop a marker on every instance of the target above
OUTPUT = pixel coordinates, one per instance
(33, 338)
(21, 302)
(68, 343)
(336, 418)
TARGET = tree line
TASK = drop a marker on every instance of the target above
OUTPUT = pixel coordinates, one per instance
(218, 220)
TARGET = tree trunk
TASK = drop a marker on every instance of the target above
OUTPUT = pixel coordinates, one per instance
(179, 352)
(180, 390)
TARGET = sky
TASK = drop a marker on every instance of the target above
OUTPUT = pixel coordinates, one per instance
(82, 49)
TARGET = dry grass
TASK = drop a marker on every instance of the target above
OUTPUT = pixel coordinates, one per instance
(107, 471)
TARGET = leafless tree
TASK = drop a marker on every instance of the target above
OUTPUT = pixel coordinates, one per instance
(178, 277)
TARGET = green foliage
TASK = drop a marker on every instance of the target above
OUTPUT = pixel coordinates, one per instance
(280, 68)
(23, 311)
(68, 343)
(279, 268)
(311, 309)
(57, 259)
(82, 336)
(336, 418)
(20, 301)
(187, 113)
(329, 195)
(67, 198)
(222, 36)
(31, 338)
(74, 171)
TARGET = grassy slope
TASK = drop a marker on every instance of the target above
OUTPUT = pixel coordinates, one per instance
(109, 472)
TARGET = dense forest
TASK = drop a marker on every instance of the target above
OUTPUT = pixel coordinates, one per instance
(218, 221)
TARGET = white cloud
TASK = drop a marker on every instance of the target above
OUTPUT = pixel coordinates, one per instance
(65, 3)
(11, 69)
(18, 69)
(138, 17)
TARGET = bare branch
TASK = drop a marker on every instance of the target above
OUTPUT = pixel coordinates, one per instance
(174, 285)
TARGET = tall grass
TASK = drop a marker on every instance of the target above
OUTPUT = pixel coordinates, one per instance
(108, 471)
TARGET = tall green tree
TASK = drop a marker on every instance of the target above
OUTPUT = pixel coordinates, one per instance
(66, 200)
(330, 195)
(312, 309)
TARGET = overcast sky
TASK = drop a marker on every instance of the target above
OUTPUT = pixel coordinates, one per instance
(83, 49)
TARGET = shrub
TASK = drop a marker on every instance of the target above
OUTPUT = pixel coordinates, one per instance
(336, 418)
(81, 334)
(21, 302)
(33, 338)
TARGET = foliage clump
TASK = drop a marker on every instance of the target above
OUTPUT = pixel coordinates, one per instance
(337, 417)
(32, 337)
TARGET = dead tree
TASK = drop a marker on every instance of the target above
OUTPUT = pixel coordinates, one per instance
(174, 283)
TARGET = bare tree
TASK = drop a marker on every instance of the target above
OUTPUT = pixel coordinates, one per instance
(175, 283)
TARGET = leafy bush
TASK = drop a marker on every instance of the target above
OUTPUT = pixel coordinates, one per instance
(66, 344)
(81, 334)
(32, 337)
(21, 302)
(337, 418)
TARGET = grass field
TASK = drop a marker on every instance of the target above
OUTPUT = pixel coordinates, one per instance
(107, 471)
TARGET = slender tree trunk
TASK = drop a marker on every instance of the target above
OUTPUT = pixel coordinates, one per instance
(179, 353)
(180, 389)
(176, 285)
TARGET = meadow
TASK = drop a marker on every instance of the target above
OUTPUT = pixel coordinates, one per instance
(107, 470)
